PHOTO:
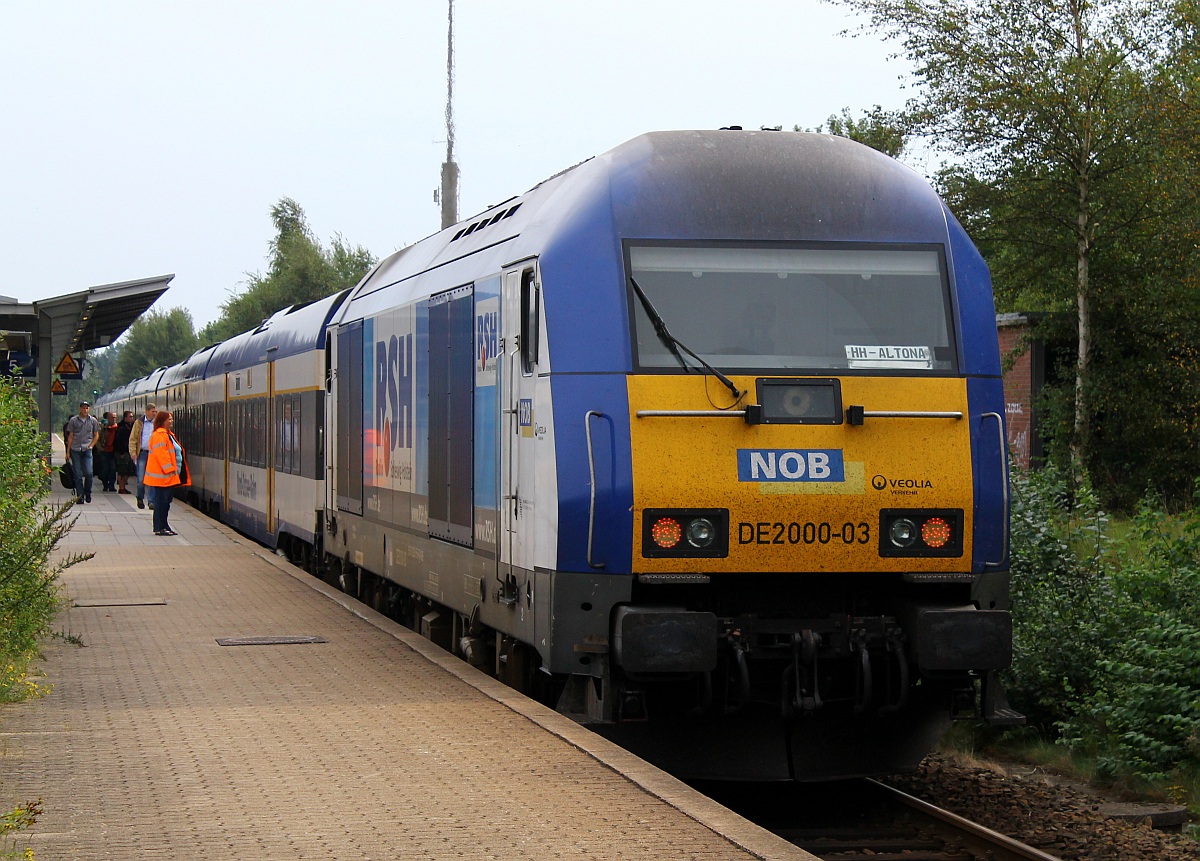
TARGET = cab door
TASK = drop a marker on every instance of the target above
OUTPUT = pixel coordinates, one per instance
(521, 336)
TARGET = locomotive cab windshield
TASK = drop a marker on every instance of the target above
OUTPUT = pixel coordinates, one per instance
(772, 309)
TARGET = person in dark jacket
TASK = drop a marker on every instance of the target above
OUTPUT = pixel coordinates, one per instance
(125, 465)
(106, 461)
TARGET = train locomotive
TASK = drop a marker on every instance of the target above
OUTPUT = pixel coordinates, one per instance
(700, 441)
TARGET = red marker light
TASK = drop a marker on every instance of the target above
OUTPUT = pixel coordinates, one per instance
(935, 532)
(666, 532)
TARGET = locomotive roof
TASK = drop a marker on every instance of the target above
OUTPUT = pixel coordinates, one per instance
(686, 185)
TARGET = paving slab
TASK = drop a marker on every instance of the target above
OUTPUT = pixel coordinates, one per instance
(348, 738)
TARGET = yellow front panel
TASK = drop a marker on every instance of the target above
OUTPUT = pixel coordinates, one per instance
(807, 524)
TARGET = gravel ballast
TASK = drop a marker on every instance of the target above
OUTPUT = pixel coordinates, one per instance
(1055, 818)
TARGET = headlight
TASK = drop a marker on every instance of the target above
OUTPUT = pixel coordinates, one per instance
(903, 532)
(701, 532)
(797, 401)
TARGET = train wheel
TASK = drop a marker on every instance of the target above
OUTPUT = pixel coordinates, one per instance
(350, 580)
(515, 665)
(374, 593)
(333, 571)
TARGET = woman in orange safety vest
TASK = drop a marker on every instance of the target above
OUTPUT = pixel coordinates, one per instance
(166, 469)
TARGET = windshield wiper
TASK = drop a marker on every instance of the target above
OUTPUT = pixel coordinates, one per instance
(674, 344)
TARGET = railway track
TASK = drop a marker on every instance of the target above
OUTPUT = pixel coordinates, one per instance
(868, 821)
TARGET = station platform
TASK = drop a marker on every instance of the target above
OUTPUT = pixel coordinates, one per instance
(354, 739)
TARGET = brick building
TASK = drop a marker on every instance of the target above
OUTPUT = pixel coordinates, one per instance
(1024, 358)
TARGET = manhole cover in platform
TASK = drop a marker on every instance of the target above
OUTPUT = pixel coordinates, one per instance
(119, 602)
(268, 641)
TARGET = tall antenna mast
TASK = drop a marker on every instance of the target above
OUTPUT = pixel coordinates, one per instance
(449, 195)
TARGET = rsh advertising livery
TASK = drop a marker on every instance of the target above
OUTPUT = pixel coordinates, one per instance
(700, 441)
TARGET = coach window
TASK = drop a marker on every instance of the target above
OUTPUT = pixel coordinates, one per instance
(243, 427)
(239, 432)
(234, 435)
(219, 431)
(278, 432)
(260, 432)
(287, 433)
(295, 435)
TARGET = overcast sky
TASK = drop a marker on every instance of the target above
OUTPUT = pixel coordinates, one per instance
(146, 138)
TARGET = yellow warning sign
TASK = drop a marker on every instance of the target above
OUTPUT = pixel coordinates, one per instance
(58, 388)
(67, 365)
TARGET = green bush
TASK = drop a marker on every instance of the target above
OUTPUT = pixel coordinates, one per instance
(1106, 631)
(1143, 718)
(1062, 595)
(29, 532)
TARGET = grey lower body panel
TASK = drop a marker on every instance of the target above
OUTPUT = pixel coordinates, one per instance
(564, 616)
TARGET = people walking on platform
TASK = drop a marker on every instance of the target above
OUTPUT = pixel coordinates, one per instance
(83, 432)
(106, 461)
(139, 447)
(166, 469)
(125, 463)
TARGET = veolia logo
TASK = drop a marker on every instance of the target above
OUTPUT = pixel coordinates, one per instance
(881, 482)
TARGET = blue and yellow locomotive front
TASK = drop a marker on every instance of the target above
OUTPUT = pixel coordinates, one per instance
(796, 456)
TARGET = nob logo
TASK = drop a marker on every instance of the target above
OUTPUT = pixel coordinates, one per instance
(785, 465)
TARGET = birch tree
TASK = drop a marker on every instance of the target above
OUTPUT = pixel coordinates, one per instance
(1048, 108)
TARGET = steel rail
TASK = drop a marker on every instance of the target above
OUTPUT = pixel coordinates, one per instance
(975, 837)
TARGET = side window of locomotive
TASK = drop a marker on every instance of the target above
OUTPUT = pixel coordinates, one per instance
(788, 309)
(530, 295)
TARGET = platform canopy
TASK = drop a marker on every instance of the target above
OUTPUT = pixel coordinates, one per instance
(87, 320)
